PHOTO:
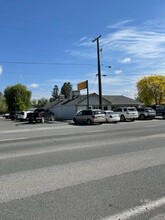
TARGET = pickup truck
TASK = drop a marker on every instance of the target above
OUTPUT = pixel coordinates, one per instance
(40, 115)
(160, 110)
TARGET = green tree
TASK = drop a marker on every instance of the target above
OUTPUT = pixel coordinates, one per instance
(151, 89)
(39, 103)
(54, 93)
(34, 103)
(17, 97)
(42, 102)
(66, 89)
(3, 106)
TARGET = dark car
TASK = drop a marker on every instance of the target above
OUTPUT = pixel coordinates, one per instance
(13, 115)
(146, 113)
(40, 115)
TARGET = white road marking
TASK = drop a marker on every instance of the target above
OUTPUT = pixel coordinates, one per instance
(135, 211)
(14, 139)
(32, 182)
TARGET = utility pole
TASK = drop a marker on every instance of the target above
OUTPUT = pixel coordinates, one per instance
(99, 71)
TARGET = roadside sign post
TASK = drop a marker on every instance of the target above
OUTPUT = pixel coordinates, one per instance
(84, 85)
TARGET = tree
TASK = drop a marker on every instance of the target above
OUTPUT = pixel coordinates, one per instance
(34, 103)
(17, 97)
(39, 103)
(42, 102)
(151, 89)
(54, 93)
(3, 106)
(66, 89)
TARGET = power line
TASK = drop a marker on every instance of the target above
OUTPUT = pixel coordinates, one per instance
(46, 63)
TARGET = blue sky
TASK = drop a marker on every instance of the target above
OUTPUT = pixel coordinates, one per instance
(46, 43)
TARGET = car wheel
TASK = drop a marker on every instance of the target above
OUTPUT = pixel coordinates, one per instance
(142, 117)
(42, 120)
(89, 122)
(122, 118)
(75, 121)
(164, 116)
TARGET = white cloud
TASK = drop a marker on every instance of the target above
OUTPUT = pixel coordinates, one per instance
(34, 85)
(118, 71)
(126, 60)
(120, 24)
(1, 70)
(137, 42)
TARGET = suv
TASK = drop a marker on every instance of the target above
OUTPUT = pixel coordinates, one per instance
(89, 116)
(127, 113)
(146, 113)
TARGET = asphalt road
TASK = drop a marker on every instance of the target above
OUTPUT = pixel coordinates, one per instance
(58, 171)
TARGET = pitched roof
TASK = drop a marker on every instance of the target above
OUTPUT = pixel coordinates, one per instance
(113, 99)
(121, 100)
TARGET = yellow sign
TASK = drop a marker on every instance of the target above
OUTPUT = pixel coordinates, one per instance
(82, 85)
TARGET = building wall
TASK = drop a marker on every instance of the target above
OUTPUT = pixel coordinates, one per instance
(67, 112)
(63, 112)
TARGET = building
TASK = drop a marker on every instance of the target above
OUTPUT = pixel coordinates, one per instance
(65, 109)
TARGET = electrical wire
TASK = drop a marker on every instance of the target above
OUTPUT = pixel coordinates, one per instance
(46, 63)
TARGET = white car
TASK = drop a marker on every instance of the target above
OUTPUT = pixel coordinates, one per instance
(127, 113)
(22, 116)
(111, 116)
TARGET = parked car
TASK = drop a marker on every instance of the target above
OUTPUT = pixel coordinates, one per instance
(89, 116)
(111, 116)
(6, 115)
(127, 113)
(40, 115)
(23, 116)
(13, 115)
(146, 113)
(36, 116)
(160, 110)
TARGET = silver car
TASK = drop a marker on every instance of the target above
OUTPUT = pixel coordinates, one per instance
(146, 113)
(89, 116)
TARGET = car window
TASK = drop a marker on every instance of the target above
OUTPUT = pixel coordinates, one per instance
(88, 112)
(132, 109)
(79, 113)
(140, 109)
(97, 112)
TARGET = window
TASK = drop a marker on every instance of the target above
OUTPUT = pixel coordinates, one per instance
(119, 110)
(88, 112)
(80, 113)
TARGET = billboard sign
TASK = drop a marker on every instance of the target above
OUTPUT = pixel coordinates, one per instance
(82, 85)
